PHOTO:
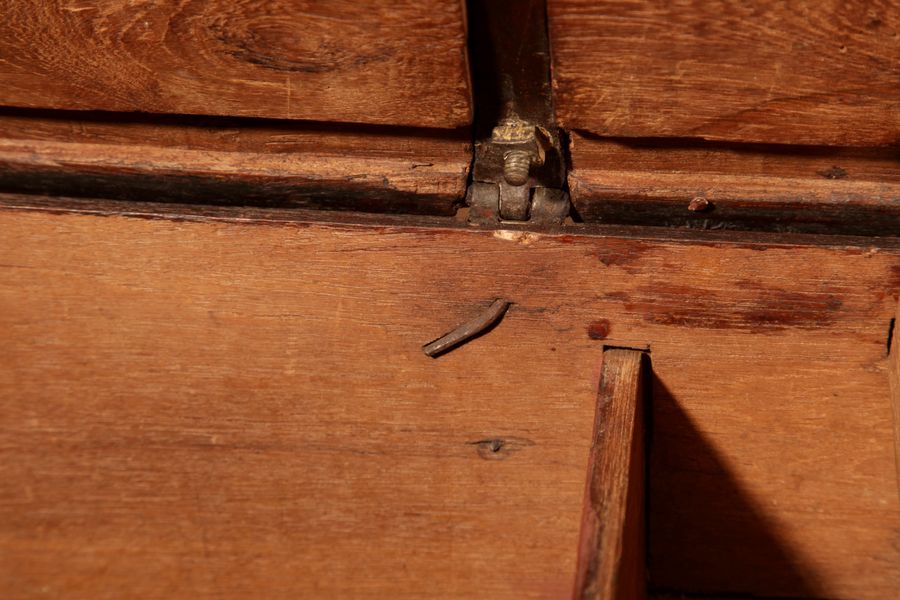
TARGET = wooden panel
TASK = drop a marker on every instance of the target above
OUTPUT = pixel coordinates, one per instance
(736, 186)
(397, 62)
(231, 160)
(234, 403)
(792, 72)
(612, 561)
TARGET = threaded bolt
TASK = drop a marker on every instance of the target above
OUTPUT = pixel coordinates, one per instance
(516, 164)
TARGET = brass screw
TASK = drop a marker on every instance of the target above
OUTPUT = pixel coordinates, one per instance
(698, 204)
(516, 164)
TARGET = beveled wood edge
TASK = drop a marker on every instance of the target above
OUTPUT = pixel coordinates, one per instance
(612, 548)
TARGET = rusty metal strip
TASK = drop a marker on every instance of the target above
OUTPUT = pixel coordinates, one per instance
(467, 330)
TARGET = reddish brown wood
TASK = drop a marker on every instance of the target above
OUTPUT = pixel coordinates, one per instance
(790, 72)
(231, 402)
(612, 560)
(231, 160)
(397, 62)
(736, 186)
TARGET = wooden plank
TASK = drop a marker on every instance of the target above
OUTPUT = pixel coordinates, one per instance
(612, 561)
(760, 71)
(227, 160)
(238, 404)
(822, 190)
(396, 62)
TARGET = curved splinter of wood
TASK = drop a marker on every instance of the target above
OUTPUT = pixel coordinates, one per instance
(467, 330)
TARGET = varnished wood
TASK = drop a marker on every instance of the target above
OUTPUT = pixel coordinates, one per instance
(612, 563)
(790, 72)
(397, 62)
(232, 403)
(822, 190)
(253, 162)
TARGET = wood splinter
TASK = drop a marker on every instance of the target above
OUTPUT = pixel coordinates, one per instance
(467, 330)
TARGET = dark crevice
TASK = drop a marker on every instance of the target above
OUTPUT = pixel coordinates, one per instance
(890, 336)
(641, 349)
(679, 595)
(221, 190)
(725, 215)
(891, 151)
(221, 123)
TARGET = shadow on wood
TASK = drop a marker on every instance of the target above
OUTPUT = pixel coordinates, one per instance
(736, 548)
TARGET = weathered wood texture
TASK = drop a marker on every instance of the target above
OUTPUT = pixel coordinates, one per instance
(395, 62)
(231, 160)
(612, 562)
(736, 186)
(216, 408)
(792, 72)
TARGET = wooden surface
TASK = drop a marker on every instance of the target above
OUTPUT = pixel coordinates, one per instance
(232, 403)
(770, 188)
(231, 160)
(395, 62)
(612, 560)
(791, 72)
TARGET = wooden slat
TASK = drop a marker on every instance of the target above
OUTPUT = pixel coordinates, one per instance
(790, 72)
(397, 62)
(232, 403)
(233, 160)
(818, 190)
(612, 562)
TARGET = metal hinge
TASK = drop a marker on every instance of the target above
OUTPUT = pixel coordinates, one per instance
(519, 171)
(518, 176)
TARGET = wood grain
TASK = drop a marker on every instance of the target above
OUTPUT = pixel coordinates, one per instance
(237, 404)
(215, 161)
(791, 72)
(378, 62)
(612, 561)
(774, 188)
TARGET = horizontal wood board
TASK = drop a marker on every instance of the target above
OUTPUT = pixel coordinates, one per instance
(775, 188)
(254, 162)
(394, 62)
(233, 406)
(793, 72)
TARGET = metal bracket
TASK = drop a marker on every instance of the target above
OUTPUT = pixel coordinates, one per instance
(519, 173)
(518, 176)
(542, 206)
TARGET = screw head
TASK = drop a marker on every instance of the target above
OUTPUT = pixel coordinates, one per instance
(698, 204)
